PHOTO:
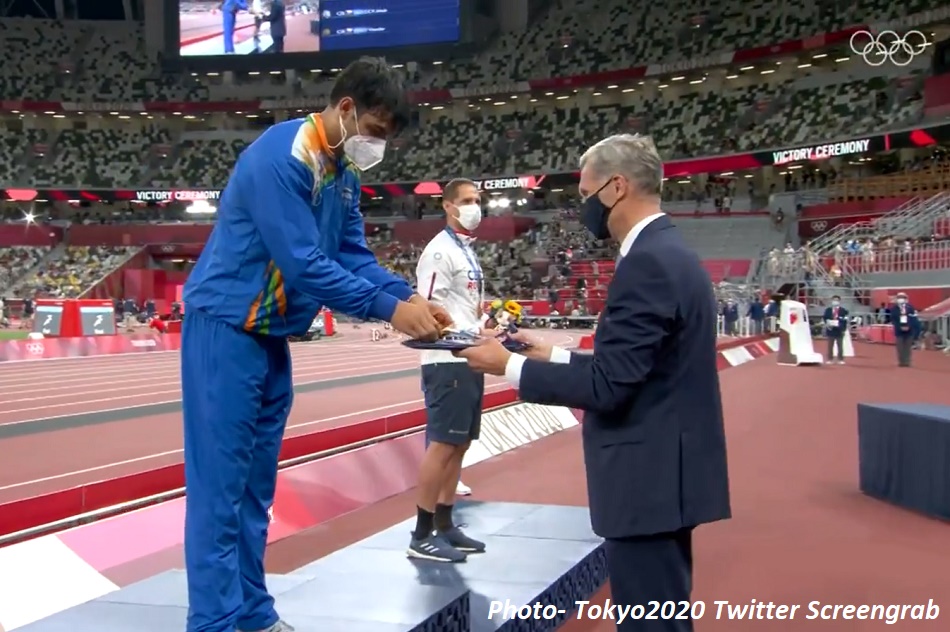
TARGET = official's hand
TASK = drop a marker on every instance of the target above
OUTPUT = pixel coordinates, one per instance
(489, 357)
(537, 349)
(416, 322)
(438, 312)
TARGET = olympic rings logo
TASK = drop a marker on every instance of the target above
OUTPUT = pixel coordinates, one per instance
(877, 49)
(819, 226)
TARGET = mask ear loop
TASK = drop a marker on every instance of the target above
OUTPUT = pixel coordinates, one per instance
(343, 129)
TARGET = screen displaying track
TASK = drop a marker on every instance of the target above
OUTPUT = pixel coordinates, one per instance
(249, 27)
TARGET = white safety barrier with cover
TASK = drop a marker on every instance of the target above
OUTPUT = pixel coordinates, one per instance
(796, 346)
(847, 343)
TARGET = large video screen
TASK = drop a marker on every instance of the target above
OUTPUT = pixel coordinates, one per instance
(250, 27)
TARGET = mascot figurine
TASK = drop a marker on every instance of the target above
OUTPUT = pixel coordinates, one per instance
(505, 316)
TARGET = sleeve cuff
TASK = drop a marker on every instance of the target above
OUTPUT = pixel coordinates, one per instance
(513, 369)
(560, 355)
(402, 292)
(383, 307)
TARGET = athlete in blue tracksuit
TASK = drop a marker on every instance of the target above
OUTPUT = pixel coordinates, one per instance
(229, 9)
(288, 239)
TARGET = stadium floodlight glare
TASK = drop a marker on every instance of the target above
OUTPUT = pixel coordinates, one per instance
(200, 207)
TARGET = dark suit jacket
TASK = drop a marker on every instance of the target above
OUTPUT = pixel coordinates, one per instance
(654, 444)
(912, 327)
(278, 25)
(842, 315)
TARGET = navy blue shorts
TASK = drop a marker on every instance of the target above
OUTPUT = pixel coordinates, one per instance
(453, 396)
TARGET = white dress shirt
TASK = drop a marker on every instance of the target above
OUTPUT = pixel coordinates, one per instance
(449, 275)
(560, 355)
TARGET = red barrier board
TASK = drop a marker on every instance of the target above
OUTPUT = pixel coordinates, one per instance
(879, 334)
(31, 512)
(79, 347)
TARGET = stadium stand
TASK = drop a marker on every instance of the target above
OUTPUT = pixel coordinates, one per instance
(74, 269)
(694, 99)
(705, 113)
(16, 261)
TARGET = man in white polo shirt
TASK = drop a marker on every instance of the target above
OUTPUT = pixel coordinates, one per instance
(449, 275)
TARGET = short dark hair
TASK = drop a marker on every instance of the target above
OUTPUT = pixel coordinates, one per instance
(376, 87)
(836, 298)
(451, 190)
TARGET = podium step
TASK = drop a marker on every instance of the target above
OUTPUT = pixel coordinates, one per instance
(536, 553)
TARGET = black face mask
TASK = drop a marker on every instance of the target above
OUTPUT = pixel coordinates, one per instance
(594, 214)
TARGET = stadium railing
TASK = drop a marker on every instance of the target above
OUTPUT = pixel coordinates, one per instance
(919, 257)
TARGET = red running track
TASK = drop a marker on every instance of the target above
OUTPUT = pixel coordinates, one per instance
(48, 461)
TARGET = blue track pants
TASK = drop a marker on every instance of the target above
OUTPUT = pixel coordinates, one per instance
(237, 391)
(230, 21)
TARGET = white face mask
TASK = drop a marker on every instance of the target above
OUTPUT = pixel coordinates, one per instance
(470, 216)
(835, 303)
(901, 301)
(364, 151)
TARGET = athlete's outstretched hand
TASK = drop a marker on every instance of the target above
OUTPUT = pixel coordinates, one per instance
(438, 312)
(416, 321)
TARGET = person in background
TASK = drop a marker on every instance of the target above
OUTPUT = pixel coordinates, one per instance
(771, 314)
(756, 314)
(883, 314)
(836, 323)
(906, 325)
(278, 25)
(157, 324)
(653, 437)
(257, 10)
(229, 11)
(130, 311)
(730, 316)
(450, 275)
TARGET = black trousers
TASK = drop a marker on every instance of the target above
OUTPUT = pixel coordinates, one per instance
(652, 568)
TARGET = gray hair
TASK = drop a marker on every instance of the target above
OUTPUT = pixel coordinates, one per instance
(632, 156)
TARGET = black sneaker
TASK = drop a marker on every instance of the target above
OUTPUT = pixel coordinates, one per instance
(457, 538)
(434, 548)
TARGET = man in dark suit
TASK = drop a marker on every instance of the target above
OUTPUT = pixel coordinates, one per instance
(278, 25)
(906, 327)
(836, 323)
(654, 444)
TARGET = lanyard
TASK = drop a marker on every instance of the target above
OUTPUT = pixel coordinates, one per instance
(473, 263)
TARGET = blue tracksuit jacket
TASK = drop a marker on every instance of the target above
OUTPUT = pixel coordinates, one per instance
(289, 239)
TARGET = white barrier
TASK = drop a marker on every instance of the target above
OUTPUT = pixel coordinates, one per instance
(742, 328)
(514, 426)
